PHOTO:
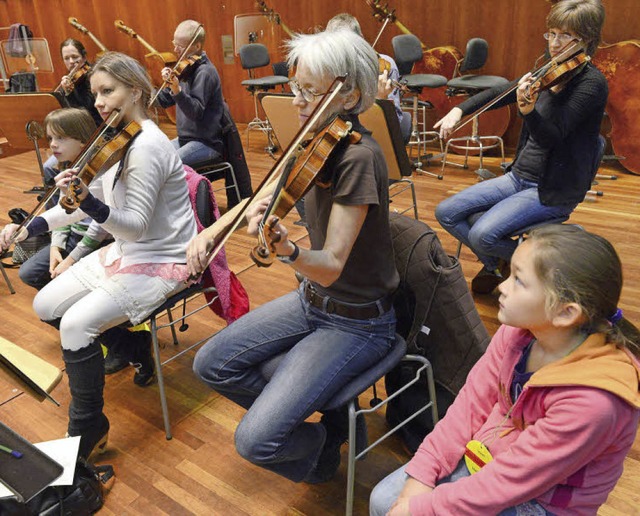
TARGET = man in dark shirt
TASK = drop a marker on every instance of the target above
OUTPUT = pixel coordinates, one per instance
(197, 95)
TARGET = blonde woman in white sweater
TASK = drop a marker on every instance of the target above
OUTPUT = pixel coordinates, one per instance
(144, 203)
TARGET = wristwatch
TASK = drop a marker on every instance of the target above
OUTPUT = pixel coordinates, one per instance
(292, 257)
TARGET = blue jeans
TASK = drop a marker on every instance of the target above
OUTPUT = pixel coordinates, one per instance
(35, 271)
(323, 352)
(509, 203)
(386, 492)
(195, 152)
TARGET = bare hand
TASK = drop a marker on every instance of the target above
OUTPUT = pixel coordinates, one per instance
(255, 213)
(7, 236)
(55, 258)
(197, 252)
(279, 237)
(526, 95)
(63, 180)
(66, 84)
(171, 80)
(400, 508)
(448, 122)
(385, 88)
(63, 266)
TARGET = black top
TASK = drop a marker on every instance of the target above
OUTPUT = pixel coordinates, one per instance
(81, 97)
(357, 175)
(559, 140)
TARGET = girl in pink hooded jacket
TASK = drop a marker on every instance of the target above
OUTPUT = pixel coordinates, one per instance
(548, 414)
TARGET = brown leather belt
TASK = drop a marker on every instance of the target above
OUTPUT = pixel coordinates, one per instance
(332, 306)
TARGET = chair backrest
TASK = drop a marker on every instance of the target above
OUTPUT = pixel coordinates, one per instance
(381, 119)
(434, 294)
(475, 55)
(281, 68)
(201, 197)
(253, 55)
(406, 51)
(282, 115)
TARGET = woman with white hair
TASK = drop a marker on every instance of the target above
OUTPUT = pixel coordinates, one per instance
(341, 320)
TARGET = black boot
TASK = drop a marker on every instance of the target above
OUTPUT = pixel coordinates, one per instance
(142, 358)
(112, 339)
(133, 347)
(85, 369)
(336, 424)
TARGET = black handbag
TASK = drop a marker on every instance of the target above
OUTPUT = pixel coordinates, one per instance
(24, 250)
(84, 496)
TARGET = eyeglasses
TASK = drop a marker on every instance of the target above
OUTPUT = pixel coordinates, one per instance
(307, 95)
(562, 37)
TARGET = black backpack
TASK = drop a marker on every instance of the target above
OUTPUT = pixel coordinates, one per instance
(438, 319)
(84, 496)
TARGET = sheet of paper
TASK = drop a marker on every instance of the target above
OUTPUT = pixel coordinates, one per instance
(64, 452)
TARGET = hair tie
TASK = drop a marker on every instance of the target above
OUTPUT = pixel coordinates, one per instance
(615, 318)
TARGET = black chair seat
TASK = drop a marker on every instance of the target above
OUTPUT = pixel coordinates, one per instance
(176, 298)
(424, 80)
(476, 82)
(271, 81)
(367, 378)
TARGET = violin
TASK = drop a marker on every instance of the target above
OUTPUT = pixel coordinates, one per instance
(554, 73)
(298, 181)
(385, 66)
(76, 73)
(184, 65)
(557, 69)
(100, 155)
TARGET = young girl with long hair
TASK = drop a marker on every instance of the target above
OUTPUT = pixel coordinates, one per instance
(548, 414)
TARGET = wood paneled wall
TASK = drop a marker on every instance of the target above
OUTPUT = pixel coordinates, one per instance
(512, 28)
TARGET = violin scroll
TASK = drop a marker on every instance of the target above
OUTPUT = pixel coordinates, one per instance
(264, 253)
(77, 25)
(382, 12)
(71, 201)
(119, 24)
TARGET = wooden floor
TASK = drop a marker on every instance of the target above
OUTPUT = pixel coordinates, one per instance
(199, 472)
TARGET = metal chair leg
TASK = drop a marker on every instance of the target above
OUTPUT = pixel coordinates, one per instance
(6, 279)
(160, 377)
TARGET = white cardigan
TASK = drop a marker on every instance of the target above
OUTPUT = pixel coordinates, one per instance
(150, 217)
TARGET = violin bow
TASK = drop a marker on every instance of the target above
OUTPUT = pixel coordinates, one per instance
(271, 177)
(173, 70)
(536, 74)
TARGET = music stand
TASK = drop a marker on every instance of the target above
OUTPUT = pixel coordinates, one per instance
(31, 56)
(18, 111)
(255, 28)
